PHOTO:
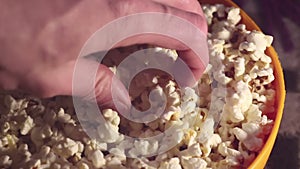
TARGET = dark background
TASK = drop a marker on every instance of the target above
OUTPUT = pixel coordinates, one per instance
(281, 19)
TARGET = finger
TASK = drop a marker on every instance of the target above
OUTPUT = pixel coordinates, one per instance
(90, 79)
(188, 52)
(195, 55)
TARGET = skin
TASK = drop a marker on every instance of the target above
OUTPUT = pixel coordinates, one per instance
(39, 45)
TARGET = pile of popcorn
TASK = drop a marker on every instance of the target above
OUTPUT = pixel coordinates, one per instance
(224, 125)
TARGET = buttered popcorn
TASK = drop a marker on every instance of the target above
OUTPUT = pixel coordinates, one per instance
(220, 123)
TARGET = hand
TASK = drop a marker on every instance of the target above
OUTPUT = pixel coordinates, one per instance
(40, 41)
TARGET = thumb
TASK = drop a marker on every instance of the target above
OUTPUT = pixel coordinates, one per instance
(84, 78)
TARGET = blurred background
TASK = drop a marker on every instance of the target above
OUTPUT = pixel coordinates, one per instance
(281, 20)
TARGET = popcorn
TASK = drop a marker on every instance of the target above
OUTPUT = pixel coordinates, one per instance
(193, 163)
(173, 163)
(67, 148)
(245, 96)
(108, 133)
(189, 101)
(209, 144)
(226, 151)
(239, 67)
(83, 166)
(253, 114)
(97, 158)
(247, 47)
(63, 117)
(141, 163)
(190, 137)
(223, 125)
(143, 147)
(223, 34)
(260, 40)
(233, 15)
(251, 128)
(193, 150)
(27, 126)
(209, 11)
(111, 116)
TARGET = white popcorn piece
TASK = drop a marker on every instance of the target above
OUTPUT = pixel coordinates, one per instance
(206, 131)
(187, 107)
(240, 134)
(97, 158)
(193, 163)
(62, 116)
(173, 163)
(253, 114)
(169, 114)
(220, 76)
(251, 128)
(118, 153)
(239, 67)
(260, 40)
(242, 28)
(226, 151)
(233, 15)
(193, 150)
(258, 97)
(190, 137)
(93, 145)
(248, 139)
(218, 27)
(108, 133)
(216, 47)
(189, 95)
(67, 148)
(247, 47)
(82, 165)
(173, 136)
(245, 96)
(233, 113)
(27, 126)
(143, 147)
(223, 34)
(213, 141)
(111, 116)
(209, 10)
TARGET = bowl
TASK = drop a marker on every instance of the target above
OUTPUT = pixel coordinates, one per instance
(262, 158)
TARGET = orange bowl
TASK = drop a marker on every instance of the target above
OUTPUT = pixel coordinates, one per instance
(262, 158)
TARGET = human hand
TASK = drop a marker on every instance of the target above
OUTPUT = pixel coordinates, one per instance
(41, 40)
